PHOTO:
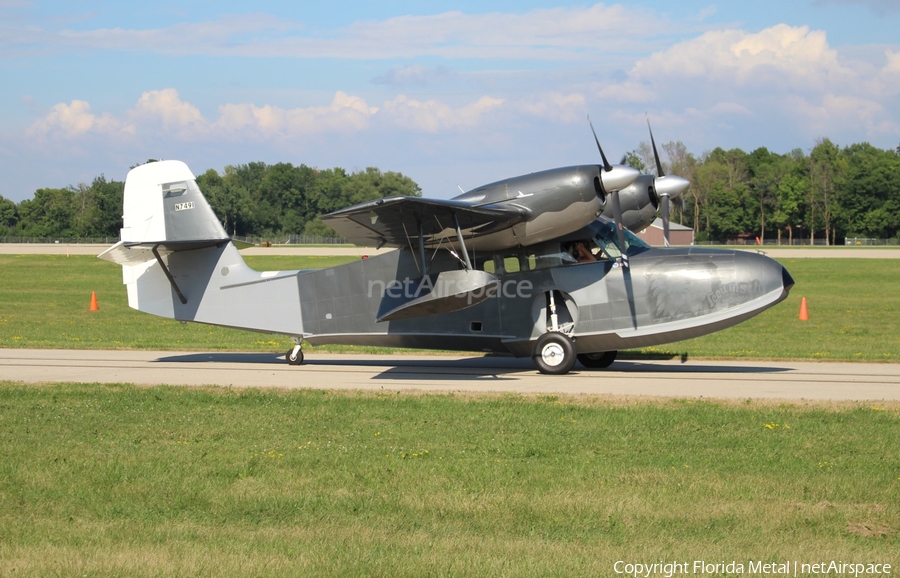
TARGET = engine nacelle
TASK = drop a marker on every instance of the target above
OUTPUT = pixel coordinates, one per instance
(639, 203)
(556, 201)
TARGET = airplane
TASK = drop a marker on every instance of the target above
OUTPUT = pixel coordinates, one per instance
(543, 265)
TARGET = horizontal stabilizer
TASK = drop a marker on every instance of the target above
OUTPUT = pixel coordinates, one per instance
(124, 253)
(396, 221)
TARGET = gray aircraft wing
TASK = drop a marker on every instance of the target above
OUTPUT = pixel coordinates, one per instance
(396, 221)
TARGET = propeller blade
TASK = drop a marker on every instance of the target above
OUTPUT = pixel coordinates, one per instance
(666, 187)
(620, 233)
(606, 166)
(659, 169)
(665, 219)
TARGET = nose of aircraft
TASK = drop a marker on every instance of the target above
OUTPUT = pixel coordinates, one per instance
(786, 280)
(763, 274)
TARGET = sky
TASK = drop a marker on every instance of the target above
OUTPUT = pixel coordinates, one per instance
(452, 94)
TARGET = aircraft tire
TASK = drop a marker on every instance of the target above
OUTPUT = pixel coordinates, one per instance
(554, 353)
(599, 360)
(294, 359)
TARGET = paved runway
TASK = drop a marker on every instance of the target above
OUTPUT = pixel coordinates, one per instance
(436, 373)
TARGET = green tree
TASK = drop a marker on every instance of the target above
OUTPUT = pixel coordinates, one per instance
(633, 160)
(98, 208)
(110, 195)
(766, 172)
(826, 168)
(228, 200)
(722, 182)
(49, 214)
(9, 216)
(682, 163)
(791, 193)
(870, 191)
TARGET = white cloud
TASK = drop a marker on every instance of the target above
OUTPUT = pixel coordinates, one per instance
(556, 106)
(76, 120)
(893, 64)
(782, 79)
(628, 91)
(435, 116)
(565, 33)
(164, 111)
(840, 112)
(345, 113)
(782, 55)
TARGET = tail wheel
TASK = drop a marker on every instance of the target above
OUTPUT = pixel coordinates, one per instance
(554, 353)
(294, 358)
(600, 360)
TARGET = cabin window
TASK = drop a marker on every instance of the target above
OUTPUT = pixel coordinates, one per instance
(485, 264)
(511, 264)
(549, 256)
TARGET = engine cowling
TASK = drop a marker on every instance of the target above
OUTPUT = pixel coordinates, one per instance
(639, 203)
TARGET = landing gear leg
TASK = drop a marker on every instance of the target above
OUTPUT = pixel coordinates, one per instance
(295, 355)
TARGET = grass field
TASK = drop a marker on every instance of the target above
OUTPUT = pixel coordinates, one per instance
(854, 313)
(124, 481)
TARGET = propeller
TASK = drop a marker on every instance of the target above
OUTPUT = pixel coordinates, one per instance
(666, 186)
(613, 178)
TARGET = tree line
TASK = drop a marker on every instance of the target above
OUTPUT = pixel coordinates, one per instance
(826, 195)
(254, 199)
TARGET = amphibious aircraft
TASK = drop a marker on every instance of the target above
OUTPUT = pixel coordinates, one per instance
(541, 265)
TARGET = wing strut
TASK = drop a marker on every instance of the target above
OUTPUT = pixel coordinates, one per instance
(168, 275)
(462, 244)
(422, 249)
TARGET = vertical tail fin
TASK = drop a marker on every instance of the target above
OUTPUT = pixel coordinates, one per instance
(177, 261)
(163, 204)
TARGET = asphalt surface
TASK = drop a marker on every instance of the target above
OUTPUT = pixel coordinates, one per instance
(435, 373)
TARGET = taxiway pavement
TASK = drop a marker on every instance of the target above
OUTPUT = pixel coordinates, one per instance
(437, 373)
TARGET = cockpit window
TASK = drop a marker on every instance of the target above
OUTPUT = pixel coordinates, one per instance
(582, 251)
(607, 239)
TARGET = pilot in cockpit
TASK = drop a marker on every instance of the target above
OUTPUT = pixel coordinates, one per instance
(581, 252)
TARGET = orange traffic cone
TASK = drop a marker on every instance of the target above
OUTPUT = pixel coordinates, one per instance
(94, 306)
(804, 313)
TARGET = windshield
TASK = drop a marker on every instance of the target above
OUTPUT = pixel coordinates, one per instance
(607, 239)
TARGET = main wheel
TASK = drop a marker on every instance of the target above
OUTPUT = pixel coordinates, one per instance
(554, 353)
(600, 360)
(294, 358)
